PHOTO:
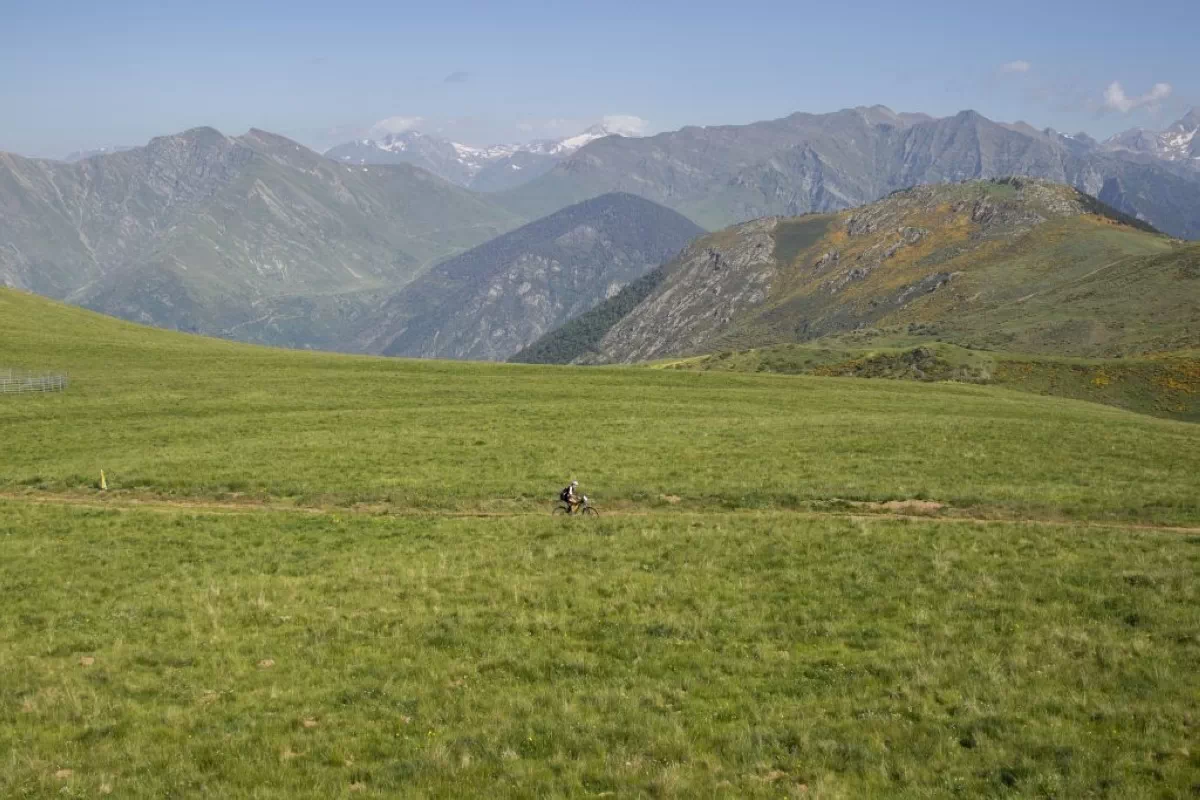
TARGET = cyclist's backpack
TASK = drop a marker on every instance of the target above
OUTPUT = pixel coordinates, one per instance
(565, 495)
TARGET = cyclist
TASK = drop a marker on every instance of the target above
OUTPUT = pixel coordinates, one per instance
(570, 495)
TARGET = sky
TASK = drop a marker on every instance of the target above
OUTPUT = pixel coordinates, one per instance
(77, 75)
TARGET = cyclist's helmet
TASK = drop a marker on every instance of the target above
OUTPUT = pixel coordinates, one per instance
(574, 483)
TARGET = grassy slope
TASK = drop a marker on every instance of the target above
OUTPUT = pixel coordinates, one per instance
(1166, 385)
(676, 651)
(1123, 306)
(171, 413)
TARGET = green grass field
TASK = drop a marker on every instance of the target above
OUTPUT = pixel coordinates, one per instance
(1165, 384)
(319, 575)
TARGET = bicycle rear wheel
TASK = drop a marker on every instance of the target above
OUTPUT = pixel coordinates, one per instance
(563, 510)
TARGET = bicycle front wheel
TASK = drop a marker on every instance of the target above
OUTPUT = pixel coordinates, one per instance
(590, 512)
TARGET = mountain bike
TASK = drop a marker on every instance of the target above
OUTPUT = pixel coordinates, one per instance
(585, 508)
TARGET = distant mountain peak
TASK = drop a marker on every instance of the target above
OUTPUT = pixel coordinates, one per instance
(200, 132)
(600, 130)
(485, 168)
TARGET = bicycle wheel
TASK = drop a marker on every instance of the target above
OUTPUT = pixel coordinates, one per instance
(563, 510)
(591, 512)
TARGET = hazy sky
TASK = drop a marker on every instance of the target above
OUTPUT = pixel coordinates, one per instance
(87, 74)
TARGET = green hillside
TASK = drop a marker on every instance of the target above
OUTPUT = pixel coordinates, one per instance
(165, 412)
(315, 575)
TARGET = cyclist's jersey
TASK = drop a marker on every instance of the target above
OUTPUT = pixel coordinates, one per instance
(567, 494)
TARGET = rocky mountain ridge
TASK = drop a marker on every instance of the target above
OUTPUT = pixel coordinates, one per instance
(805, 163)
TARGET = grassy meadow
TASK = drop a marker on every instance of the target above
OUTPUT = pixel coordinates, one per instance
(321, 576)
(166, 414)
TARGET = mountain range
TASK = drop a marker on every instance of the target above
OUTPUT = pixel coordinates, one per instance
(803, 163)
(220, 235)
(1016, 264)
(485, 169)
(257, 238)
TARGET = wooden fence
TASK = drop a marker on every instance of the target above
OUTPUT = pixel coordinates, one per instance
(21, 382)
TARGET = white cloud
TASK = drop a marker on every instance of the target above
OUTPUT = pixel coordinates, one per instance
(1115, 98)
(394, 125)
(625, 124)
(1016, 67)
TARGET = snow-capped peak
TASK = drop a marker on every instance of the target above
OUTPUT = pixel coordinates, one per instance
(573, 143)
(1179, 141)
(609, 126)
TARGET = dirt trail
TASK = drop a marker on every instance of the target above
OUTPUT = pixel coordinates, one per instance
(896, 510)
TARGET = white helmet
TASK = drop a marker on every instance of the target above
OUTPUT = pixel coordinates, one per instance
(574, 483)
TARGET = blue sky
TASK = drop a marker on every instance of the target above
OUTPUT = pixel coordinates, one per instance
(76, 74)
